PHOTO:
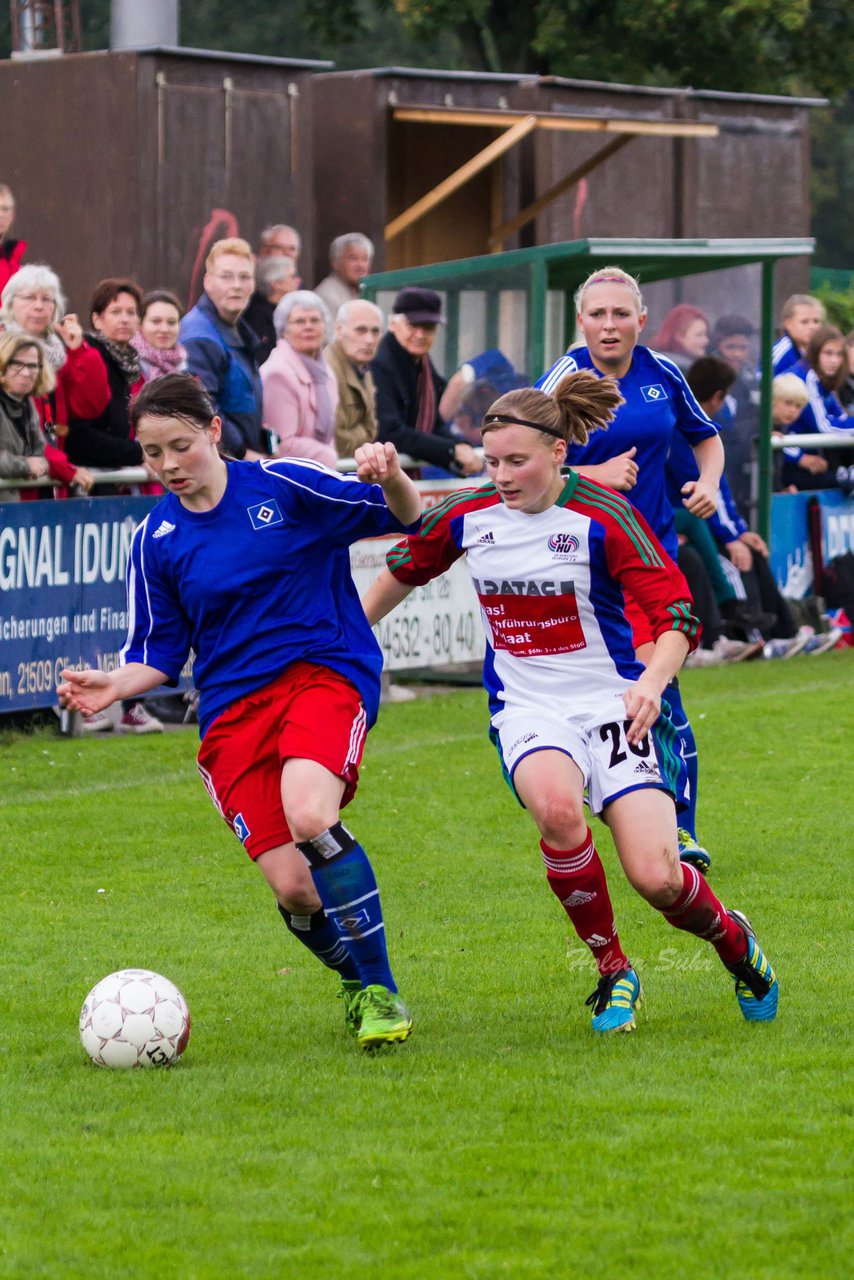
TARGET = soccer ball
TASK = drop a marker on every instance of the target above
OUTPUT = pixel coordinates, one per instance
(134, 1018)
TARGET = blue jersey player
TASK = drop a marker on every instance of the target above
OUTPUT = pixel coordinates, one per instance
(631, 455)
(247, 565)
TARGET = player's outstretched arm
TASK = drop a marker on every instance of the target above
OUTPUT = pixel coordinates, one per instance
(91, 691)
(378, 463)
(643, 699)
(384, 594)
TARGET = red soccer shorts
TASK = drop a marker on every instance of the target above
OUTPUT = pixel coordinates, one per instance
(642, 632)
(309, 712)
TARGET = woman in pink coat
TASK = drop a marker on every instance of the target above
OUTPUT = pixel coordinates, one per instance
(300, 391)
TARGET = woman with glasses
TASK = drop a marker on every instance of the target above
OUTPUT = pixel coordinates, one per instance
(33, 304)
(23, 374)
(300, 390)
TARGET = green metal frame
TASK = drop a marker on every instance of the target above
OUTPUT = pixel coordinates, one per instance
(564, 266)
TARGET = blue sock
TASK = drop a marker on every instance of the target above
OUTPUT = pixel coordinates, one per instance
(347, 887)
(320, 936)
(673, 697)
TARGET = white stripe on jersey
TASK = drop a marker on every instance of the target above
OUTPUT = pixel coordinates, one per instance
(131, 593)
(673, 368)
(822, 421)
(307, 463)
(781, 348)
(565, 365)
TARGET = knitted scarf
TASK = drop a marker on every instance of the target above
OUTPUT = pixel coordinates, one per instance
(425, 419)
(158, 360)
(324, 421)
(125, 357)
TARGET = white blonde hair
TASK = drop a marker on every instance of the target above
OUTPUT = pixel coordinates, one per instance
(35, 275)
(610, 275)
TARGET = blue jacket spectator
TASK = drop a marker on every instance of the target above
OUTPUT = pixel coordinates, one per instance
(221, 347)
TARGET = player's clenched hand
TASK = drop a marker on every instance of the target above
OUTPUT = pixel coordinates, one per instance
(86, 691)
(621, 472)
(377, 462)
(643, 707)
(699, 498)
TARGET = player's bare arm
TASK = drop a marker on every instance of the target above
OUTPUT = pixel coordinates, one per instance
(643, 699)
(701, 495)
(384, 594)
(377, 463)
(91, 691)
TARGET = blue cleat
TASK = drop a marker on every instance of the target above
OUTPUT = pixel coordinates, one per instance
(614, 1001)
(756, 985)
(691, 851)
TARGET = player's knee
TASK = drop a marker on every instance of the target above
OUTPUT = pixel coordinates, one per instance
(658, 881)
(308, 815)
(298, 899)
(561, 821)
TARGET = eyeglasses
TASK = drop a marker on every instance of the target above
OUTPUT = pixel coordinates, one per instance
(24, 365)
(303, 322)
(36, 297)
(229, 277)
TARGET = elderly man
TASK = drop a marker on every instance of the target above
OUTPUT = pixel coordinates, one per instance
(358, 328)
(280, 240)
(350, 256)
(409, 388)
(221, 347)
(274, 277)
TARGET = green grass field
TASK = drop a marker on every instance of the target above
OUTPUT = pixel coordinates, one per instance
(502, 1139)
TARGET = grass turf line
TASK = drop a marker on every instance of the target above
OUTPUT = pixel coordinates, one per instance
(502, 1139)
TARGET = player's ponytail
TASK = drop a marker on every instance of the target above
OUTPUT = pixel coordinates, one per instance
(587, 403)
(582, 402)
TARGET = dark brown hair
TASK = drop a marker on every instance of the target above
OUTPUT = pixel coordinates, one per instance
(159, 295)
(106, 291)
(820, 337)
(708, 375)
(582, 402)
(175, 395)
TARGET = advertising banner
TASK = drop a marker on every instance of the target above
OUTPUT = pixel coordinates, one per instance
(63, 603)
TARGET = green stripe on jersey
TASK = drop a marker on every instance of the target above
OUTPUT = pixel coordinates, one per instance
(684, 620)
(456, 499)
(621, 510)
(397, 557)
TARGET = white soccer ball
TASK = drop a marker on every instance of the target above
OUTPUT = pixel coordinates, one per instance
(134, 1018)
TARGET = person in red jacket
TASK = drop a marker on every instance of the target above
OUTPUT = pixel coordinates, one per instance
(33, 303)
(11, 250)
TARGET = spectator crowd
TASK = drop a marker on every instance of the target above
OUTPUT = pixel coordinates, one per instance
(314, 373)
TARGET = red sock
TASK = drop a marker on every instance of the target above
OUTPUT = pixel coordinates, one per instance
(698, 911)
(577, 878)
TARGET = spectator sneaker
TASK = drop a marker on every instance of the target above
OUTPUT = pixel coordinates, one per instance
(350, 990)
(614, 1001)
(138, 720)
(384, 1018)
(821, 644)
(100, 722)
(736, 650)
(691, 851)
(756, 986)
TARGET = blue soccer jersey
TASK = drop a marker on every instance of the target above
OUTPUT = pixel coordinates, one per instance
(259, 582)
(784, 355)
(658, 402)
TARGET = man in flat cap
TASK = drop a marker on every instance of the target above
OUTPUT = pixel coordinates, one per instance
(409, 388)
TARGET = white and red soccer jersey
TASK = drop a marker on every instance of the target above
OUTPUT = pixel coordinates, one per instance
(550, 587)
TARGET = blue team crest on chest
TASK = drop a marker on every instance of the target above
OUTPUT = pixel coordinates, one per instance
(265, 514)
(653, 393)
